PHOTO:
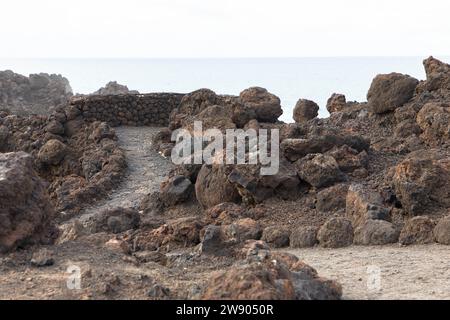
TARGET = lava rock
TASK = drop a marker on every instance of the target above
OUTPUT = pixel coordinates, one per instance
(52, 152)
(336, 232)
(376, 232)
(390, 91)
(116, 220)
(418, 230)
(276, 237)
(336, 103)
(304, 237)
(442, 231)
(26, 213)
(212, 186)
(266, 105)
(176, 190)
(305, 110)
(319, 170)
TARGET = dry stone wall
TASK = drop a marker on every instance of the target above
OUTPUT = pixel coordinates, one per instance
(151, 109)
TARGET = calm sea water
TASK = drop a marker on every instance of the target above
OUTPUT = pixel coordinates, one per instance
(288, 78)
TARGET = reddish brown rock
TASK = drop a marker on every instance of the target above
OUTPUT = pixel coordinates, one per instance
(294, 149)
(25, 210)
(52, 153)
(225, 213)
(304, 237)
(422, 181)
(212, 186)
(336, 232)
(390, 91)
(418, 230)
(363, 205)
(175, 190)
(276, 237)
(442, 231)
(332, 199)
(270, 277)
(434, 121)
(375, 232)
(348, 158)
(305, 110)
(336, 103)
(319, 170)
(266, 105)
(438, 74)
(116, 220)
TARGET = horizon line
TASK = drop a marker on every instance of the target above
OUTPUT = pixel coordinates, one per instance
(222, 58)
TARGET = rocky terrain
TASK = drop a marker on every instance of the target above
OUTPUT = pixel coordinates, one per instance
(36, 94)
(89, 194)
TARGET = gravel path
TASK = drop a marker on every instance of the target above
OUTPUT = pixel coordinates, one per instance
(413, 272)
(146, 169)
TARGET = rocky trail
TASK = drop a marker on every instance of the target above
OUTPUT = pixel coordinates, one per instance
(146, 169)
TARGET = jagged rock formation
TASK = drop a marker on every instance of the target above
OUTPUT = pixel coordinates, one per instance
(37, 94)
(113, 88)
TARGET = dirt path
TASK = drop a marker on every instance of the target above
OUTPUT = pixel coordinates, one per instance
(146, 169)
(414, 272)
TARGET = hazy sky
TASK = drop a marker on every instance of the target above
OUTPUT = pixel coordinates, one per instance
(223, 28)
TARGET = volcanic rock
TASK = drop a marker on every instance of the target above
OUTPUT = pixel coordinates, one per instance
(266, 105)
(25, 210)
(304, 237)
(418, 230)
(336, 103)
(305, 110)
(319, 170)
(212, 186)
(336, 232)
(376, 232)
(390, 91)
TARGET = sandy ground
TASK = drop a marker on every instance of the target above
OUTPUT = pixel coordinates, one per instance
(384, 272)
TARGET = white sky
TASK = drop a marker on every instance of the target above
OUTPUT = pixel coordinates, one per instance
(223, 28)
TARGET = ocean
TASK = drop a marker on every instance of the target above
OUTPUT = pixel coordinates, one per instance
(289, 78)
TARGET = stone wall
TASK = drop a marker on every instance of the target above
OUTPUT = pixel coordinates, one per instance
(151, 109)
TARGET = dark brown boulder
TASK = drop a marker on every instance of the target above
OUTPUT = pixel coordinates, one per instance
(294, 149)
(336, 103)
(336, 232)
(348, 158)
(270, 276)
(276, 237)
(438, 74)
(319, 170)
(116, 220)
(266, 105)
(418, 230)
(212, 186)
(25, 210)
(375, 232)
(176, 190)
(390, 91)
(225, 213)
(332, 199)
(442, 231)
(434, 121)
(255, 188)
(52, 152)
(305, 110)
(422, 181)
(363, 205)
(304, 237)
